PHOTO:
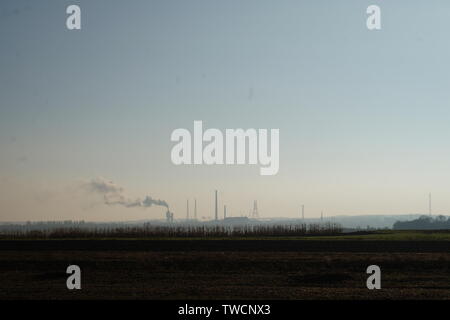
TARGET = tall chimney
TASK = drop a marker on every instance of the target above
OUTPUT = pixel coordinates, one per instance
(303, 211)
(429, 203)
(195, 209)
(217, 213)
(224, 212)
(187, 210)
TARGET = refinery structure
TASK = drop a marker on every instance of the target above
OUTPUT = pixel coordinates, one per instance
(220, 214)
(225, 218)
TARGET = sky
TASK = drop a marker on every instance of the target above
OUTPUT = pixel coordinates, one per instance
(363, 115)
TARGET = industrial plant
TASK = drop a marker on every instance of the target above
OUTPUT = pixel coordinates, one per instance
(226, 218)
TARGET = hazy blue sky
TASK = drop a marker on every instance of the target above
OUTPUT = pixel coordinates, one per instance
(363, 115)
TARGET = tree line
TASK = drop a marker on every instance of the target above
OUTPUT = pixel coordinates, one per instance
(424, 223)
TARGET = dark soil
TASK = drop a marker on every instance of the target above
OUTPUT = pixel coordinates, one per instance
(223, 270)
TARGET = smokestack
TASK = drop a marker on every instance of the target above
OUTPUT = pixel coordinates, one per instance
(187, 210)
(429, 203)
(216, 212)
(195, 209)
(303, 211)
(321, 216)
(224, 212)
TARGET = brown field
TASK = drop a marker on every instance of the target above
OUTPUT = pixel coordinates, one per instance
(227, 269)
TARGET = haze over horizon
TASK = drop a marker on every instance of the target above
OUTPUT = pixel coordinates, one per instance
(363, 116)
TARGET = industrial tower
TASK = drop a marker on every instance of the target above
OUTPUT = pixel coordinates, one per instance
(187, 210)
(429, 203)
(216, 210)
(195, 209)
(255, 214)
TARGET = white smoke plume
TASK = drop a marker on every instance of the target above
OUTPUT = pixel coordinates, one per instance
(114, 195)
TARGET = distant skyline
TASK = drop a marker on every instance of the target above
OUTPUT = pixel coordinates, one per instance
(363, 115)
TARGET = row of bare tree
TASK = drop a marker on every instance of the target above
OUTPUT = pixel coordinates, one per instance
(179, 231)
